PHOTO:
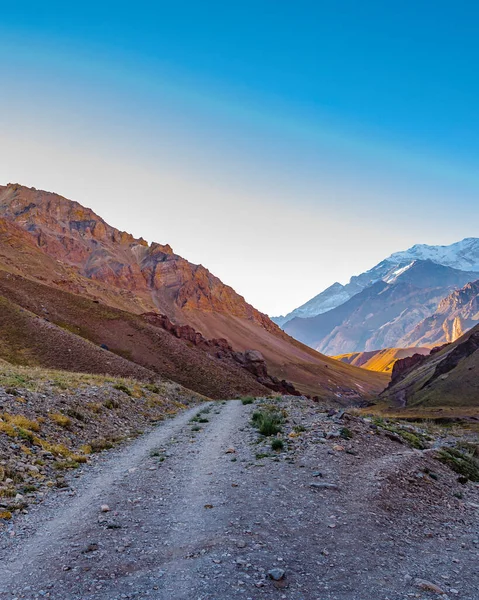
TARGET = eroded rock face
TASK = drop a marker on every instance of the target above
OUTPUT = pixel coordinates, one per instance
(251, 360)
(455, 315)
(78, 237)
(404, 365)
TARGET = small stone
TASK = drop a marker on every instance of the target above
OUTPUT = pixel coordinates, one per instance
(208, 506)
(105, 508)
(338, 448)
(230, 451)
(324, 485)
(93, 547)
(427, 586)
(276, 574)
(241, 544)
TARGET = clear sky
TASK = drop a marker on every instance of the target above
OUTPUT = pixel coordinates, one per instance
(284, 145)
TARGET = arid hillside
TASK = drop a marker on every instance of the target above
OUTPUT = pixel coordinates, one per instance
(65, 265)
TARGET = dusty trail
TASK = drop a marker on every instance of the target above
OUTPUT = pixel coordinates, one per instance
(189, 520)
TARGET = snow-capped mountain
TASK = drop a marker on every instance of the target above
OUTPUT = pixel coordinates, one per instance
(383, 314)
(463, 256)
(333, 296)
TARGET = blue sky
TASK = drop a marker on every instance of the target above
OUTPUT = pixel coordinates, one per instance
(283, 145)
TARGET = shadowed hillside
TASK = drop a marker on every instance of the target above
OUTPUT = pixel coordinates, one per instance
(446, 377)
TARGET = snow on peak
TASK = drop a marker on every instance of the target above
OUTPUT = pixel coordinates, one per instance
(391, 277)
(463, 255)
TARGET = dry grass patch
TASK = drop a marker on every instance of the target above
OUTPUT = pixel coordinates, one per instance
(60, 419)
(21, 422)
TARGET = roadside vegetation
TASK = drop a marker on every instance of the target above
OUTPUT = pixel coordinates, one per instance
(53, 421)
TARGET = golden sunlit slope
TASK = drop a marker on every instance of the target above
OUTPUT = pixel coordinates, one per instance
(379, 360)
(49, 239)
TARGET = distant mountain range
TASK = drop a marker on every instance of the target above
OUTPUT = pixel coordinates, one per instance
(399, 303)
(463, 256)
(78, 294)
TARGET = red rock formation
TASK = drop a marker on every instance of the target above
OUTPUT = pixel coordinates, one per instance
(75, 235)
(251, 360)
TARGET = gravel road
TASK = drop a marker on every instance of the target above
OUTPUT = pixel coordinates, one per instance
(193, 511)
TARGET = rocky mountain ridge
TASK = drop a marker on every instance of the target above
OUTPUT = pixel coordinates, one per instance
(75, 235)
(455, 315)
(383, 314)
(463, 256)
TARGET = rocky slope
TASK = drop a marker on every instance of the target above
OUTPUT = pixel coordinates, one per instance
(463, 256)
(83, 269)
(156, 276)
(448, 376)
(455, 315)
(380, 360)
(42, 326)
(383, 314)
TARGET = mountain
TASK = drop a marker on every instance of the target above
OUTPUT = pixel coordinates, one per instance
(380, 360)
(446, 377)
(462, 256)
(66, 272)
(333, 296)
(455, 315)
(382, 314)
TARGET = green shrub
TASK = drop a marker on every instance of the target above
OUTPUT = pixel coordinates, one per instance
(414, 440)
(123, 388)
(277, 444)
(463, 464)
(346, 433)
(247, 400)
(267, 422)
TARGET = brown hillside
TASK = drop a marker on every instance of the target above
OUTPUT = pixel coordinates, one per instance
(52, 240)
(42, 326)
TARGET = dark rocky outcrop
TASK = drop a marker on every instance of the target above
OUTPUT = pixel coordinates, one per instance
(406, 365)
(250, 360)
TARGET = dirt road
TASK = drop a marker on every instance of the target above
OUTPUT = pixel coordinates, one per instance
(194, 511)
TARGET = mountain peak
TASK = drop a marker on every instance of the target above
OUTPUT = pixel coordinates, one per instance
(461, 256)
